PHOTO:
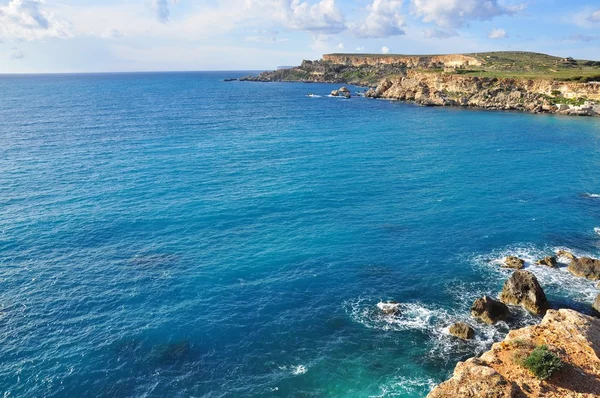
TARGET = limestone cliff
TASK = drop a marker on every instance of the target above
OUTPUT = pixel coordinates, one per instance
(409, 61)
(574, 337)
(530, 95)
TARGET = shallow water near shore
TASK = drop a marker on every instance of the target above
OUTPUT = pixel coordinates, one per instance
(175, 235)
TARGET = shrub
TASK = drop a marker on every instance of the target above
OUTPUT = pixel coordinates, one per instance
(542, 362)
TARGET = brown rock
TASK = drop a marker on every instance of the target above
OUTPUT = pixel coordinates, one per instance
(389, 307)
(566, 254)
(335, 93)
(573, 336)
(596, 304)
(489, 310)
(585, 267)
(462, 331)
(514, 262)
(523, 289)
(344, 90)
(549, 261)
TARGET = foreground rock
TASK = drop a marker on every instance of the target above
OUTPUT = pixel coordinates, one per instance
(462, 331)
(389, 308)
(574, 337)
(585, 267)
(549, 261)
(565, 254)
(489, 310)
(596, 305)
(514, 262)
(523, 289)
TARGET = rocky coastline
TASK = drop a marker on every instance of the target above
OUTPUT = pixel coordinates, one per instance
(448, 80)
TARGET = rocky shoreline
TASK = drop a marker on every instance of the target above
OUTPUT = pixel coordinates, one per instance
(445, 81)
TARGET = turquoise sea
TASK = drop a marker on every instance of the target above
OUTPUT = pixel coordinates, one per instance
(173, 235)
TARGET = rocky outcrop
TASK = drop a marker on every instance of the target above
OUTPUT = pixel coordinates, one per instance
(574, 337)
(389, 307)
(462, 331)
(409, 61)
(535, 96)
(585, 267)
(549, 261)
(523, 289)
(514, 262)
(565, 254)
(489, 310)
(596, 304)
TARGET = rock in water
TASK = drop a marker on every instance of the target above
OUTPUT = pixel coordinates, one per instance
(549, 261)
(585, 267)
(389, 308)
(489, 310)
(335, 93)
(596, 304)
(566, 254)
(523, 289)
(514, 262)
(344, 90)
(462, 331)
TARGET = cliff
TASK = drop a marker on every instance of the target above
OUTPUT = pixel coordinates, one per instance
(529, 95)
(522, 81)
(573, 337)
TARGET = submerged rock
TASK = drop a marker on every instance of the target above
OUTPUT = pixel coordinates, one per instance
(462, 331)
(549, 261)
(514, 262)
(389, 307)
(585, 267)
(489, 310)
(523, 289)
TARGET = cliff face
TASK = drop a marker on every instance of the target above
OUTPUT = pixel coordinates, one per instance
(540, 96)
(574, 337)
(409, 61)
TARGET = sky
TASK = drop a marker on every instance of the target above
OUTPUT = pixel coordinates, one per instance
(66, 36)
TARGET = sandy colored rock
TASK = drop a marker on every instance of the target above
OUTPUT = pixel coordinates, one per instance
(596, 305)
(549, 261)
(585, 267)
(574, 337)
(514, 262)
(523, 289)
(565, 254)
(489, 310)
(462, 331)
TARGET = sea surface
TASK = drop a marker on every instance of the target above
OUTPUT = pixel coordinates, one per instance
(174, 235)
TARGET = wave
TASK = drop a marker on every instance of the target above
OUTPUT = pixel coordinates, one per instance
(401, 386)
(556, 282)
(592, 195)
(314, 96)
(295, 370)
(597, 230)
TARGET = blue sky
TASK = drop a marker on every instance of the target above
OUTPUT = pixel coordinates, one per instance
(148, 35)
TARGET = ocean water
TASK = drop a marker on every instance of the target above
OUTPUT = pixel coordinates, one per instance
(172, 235)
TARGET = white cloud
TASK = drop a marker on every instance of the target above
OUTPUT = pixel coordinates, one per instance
(595, 16)
(457, 13)
(30, 20)
(385, 50)
(341, 46)
(497, 34)
(323, 17)
(383, 20)
(16, 53)
(439, 33)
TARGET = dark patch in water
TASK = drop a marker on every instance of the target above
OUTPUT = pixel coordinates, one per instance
(173, 353)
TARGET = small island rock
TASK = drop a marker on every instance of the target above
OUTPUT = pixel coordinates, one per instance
(462, 331)
(523, 289)
(549, 261)
(585, 267)
(566, 254)
(344, 90)
(489, 310)
(514, 262)
(389, 307)
(335, 93)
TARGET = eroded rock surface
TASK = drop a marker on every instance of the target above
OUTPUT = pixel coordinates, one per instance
(523, 289)
(574, 337)
(585, 267)
(489, 310)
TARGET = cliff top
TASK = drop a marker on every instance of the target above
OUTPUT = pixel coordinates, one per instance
(504, 372)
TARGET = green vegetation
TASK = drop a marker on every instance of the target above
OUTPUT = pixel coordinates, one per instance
(542, 362)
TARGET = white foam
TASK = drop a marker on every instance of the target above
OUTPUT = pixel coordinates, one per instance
(405, 386)
(597, 230)
(592, 195)
(295, 369)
